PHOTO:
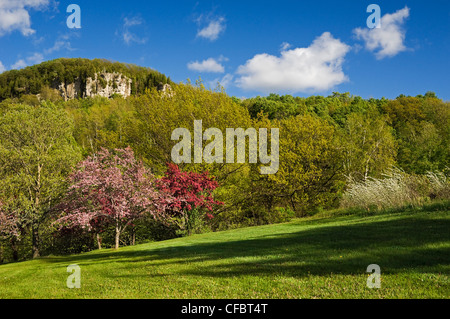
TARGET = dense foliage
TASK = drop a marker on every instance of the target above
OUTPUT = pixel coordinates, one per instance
(191, 197)
(37, 78)
(111, 189)
(332, 149)
(37, 152)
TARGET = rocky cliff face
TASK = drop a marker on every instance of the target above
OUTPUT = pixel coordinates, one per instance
(104, 84)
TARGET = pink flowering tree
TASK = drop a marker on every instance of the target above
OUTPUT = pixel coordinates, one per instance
(8, 223)
(112, 188)
(9, 230)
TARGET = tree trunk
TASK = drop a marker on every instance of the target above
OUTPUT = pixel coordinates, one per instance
(187, 227)
(133, 237)
(14, 249)
(99, 241)
(35, 241)
(293, 203)
(366, 172)
(35, 227)
(117, 237)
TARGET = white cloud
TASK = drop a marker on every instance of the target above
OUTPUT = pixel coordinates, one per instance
(59, 45)
(128, 36)
(213, 29)
(389, 38)
(129, 22)
(14, 15)
(36, 58)
(2, 67)
(315, 68)
(19, 64)
(210, 65)
(62, 42)
(225, 82)
(285, 45)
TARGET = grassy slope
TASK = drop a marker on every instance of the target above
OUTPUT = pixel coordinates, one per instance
(312, 258)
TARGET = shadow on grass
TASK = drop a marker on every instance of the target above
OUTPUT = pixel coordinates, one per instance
(396, 245)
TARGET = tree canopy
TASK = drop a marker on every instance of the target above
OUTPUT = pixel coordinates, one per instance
(34, 79)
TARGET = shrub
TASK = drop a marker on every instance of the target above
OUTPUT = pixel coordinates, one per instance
(396, 189)
(439, 185)
(282, 215)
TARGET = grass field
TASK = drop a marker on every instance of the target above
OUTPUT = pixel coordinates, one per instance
(321, 257)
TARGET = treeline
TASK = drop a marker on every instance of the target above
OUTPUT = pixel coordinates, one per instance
(325, 144)
(416, 129)
(33, 79)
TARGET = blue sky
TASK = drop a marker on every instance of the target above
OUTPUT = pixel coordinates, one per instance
(253, 48)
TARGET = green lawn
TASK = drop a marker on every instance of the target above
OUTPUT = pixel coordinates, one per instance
(320, 257)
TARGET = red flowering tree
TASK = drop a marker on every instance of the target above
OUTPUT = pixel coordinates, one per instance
(191, 195)
(112, 188)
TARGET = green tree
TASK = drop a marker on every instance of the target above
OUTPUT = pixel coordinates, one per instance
(158, 114)
(368, 145)
(309, 174)
(37, 152)
(310, 168)
(422, 131)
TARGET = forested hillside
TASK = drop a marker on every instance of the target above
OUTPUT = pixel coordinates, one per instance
(51, 74)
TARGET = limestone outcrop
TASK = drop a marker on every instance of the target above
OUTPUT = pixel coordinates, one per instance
(104, 84)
